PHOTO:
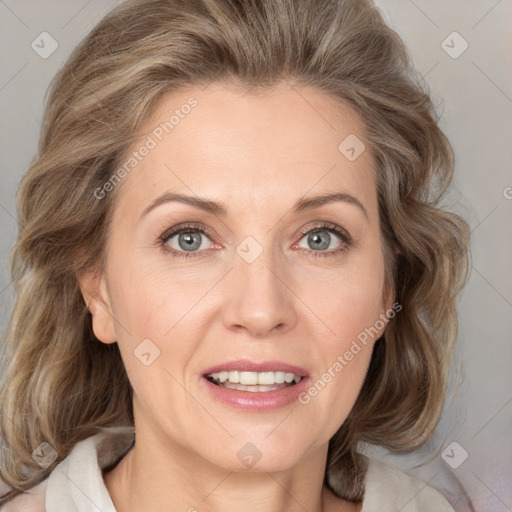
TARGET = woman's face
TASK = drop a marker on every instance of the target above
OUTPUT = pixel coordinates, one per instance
(273, 280)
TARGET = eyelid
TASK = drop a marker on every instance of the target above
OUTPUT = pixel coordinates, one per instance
(328, 226)
(186, 226)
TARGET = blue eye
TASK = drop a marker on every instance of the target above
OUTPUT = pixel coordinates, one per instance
(190, 238)
(320, 238)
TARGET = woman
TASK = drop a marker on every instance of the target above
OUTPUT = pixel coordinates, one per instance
(230, 244)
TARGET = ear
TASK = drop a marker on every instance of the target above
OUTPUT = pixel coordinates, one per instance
(95, 293)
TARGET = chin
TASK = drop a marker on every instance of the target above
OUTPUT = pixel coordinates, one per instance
(254, 456)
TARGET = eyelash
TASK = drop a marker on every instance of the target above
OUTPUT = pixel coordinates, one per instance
(326, 226)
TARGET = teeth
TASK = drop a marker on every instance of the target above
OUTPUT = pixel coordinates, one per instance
(240, 387)
(234, 377)
(279, 377)
(255, 378)
(250, 379)
(266, 378)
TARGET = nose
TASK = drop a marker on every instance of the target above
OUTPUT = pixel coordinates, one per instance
(259, 296)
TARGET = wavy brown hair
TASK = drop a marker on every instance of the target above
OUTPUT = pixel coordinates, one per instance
(60, 384)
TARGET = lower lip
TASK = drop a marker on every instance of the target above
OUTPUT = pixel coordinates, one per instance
(257, 400)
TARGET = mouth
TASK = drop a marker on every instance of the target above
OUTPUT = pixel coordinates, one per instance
(255, 386)
(254, 381)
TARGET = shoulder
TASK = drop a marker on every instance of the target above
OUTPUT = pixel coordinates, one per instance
(32, 500)
(83, 464)
(389, 489)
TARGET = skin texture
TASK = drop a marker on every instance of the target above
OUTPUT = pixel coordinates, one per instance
(258, 155)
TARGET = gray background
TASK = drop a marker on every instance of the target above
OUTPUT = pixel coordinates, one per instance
(473, 92)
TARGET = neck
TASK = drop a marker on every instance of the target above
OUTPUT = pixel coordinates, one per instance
(157, 474)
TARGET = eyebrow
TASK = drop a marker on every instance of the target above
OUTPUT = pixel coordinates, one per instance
(220, 209)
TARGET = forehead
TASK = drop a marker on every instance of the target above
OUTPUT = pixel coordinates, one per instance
(224, 143)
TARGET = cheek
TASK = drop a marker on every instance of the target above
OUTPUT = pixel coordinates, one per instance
(350, 300)
(151, 295)
(350, 308)
(153, 334)
(156, 307)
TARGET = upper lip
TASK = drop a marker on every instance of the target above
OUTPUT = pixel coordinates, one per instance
(247, 365)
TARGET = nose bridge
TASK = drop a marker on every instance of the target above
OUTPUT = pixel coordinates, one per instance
(255, 261)
(258, 298)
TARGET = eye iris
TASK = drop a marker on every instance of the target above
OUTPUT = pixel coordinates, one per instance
(192, 241)
(315, 238)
